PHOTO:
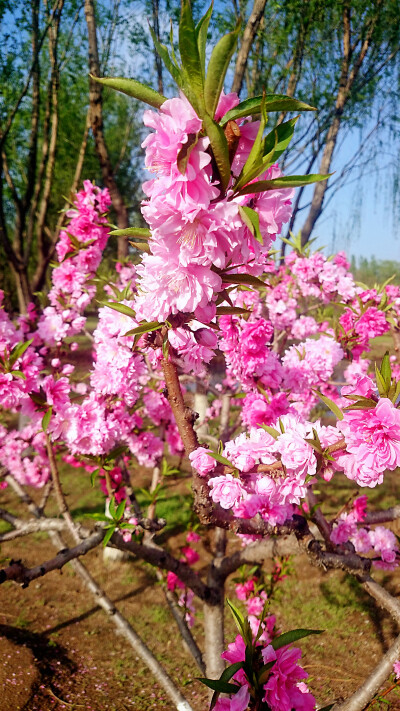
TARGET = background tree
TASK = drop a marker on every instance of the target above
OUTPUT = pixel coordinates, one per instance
(344, 57)
(46, 149)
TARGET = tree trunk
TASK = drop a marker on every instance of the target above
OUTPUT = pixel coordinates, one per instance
(247, 41)
(214, 641)
(96, 119)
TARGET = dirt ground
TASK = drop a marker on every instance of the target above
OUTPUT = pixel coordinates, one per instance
(59, 651)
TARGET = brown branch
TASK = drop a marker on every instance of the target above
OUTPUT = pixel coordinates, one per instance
(258, 552)
(74, 528)
(16, 570)
(319, 519)
(384, 516)
(179, 617)
(155, 555)
(7, 516)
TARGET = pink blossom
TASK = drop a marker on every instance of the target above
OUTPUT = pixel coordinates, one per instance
(190, 554)
(373, 438)
(255, 605)
(226, 490)
(201, 461)
(193, 537)
(281, 690)
(296, 454)
(238, 702)
(236, 651)
(384, 542)
(243, 589)
(256, 410)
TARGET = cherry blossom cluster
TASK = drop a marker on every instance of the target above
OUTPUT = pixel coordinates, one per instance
(195, 233)
(79, 250)
(280, 679)
(379, 541)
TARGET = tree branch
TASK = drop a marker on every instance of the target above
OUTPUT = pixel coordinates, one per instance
(17, 571)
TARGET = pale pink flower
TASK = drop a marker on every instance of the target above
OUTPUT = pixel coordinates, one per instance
(226, 490)
(201, 461)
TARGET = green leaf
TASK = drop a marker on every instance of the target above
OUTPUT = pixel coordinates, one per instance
(164, 54)
(238, 617)
(263, 674)
(252, 169)
(222, 686)
(144, 328)
(273, 102)
(46, 418)
(111, 507)
(116, 452)
(137, 232)
(18, 351)
(18, 374)
(189, 51)
(121, 308)
(217, 68)
(396, 392)
(363, 403)
(292, 636)
(251, 166)
(109, 533)
(386, 370)
(329, 403)
(279, 139)
(38, 398)
(219, 147)
(287, 181)
(120, 510)
(134, 88)
(226, 675)
(93, 478)
(219, 458)
(97, 516)
(201, 34)
(241, 279)
(230, 671)
(273, 146)
(141, 246)
(380, 382)
(252, 221)
(328, 708)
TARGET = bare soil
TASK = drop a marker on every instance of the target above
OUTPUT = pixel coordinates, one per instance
(59, 650)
